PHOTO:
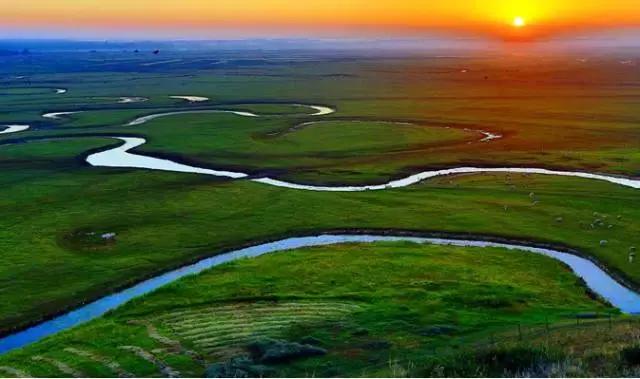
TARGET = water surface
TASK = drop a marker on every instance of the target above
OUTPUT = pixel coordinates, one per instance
(7, 129)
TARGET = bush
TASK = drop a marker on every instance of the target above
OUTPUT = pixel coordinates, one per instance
(239, 367)
(263, 351)
(275, 351)
(631, 355)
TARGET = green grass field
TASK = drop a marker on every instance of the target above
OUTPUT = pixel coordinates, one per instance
(394, 117)
(365, 304)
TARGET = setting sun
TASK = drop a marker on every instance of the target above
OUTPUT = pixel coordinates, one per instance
(519, 22)
(316, 17)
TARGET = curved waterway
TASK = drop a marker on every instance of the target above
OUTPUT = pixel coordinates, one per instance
(7, 129)
(122, 158)
(58, 115)
(488, 136)
(425, 175)
(132, 99)
(145, 119)
(319, 111)
(191, 99)
(596, 279)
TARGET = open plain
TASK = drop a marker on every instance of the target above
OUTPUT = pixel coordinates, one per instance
(119, 168)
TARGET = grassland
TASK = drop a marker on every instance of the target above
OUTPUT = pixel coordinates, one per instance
(367, 305)
(553, 112)
(199, 215)
(393, 117)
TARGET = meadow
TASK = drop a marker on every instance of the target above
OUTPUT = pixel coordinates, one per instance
(363, 304)
(393, 117)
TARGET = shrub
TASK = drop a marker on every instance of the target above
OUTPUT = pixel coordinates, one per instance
(275, 351)
(239, 367)
(631, 355)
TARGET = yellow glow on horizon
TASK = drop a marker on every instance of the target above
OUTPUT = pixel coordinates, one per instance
(486, 16)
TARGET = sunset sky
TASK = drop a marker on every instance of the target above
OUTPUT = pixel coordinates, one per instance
(250, 18)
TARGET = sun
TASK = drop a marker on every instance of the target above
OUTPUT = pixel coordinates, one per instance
(519, 22)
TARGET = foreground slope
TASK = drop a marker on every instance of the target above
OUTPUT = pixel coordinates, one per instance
(366, 305)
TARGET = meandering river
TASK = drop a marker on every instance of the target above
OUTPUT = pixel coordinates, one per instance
(121, 156)
(595, 278)
(58, 115)
(7, 129)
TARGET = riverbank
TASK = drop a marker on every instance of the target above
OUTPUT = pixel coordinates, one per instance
(386, 302)
(594, 278)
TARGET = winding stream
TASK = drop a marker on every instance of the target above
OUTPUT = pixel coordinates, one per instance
(191, 99)
(320, 111)
(132, 99)
(6, 129)
(145, 119)
(121, 157)
(58, 115)
(490, 136)
(596, 279)
(422, 176)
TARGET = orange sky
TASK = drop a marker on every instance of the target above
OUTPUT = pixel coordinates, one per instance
(373, 16)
